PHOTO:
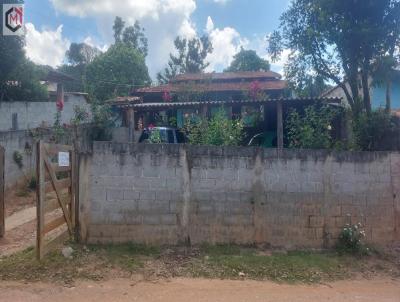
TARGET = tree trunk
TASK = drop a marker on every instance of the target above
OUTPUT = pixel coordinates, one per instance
(389, 96)
(365, 85)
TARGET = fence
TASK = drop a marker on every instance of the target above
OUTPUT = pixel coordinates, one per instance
(170, 194)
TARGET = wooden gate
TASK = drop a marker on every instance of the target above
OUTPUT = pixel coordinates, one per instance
(55, 194)
(2, 186)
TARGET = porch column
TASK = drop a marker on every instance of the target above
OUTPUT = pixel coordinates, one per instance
(204, 111)
(279, 128)
(131, 124)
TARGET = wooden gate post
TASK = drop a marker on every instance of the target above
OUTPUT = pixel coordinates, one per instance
(40, 192)
(2, 186)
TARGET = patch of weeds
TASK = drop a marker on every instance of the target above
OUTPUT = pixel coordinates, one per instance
(54, 267)
(127, 256)
(236, 263)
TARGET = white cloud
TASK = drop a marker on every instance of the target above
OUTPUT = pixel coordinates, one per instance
(226, 43)
(221, 1)
(46, 47)
(163, 20)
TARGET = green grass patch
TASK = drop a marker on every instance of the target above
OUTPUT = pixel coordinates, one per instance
(235, 263)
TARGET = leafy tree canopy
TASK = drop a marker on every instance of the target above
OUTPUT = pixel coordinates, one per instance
(191, 58)
(116, 72)
(19, 77)
(81, 54)
(339, 40)
(132, 36)
(248, 60)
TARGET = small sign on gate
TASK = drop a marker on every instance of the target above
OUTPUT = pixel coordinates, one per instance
(63, 159)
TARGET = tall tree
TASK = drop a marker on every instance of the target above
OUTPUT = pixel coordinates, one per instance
(78, 56)
(81, 54)
(248, 60)
(339, 40)
(191, 58)
(19, 77)
(133, 36)
(116, 72)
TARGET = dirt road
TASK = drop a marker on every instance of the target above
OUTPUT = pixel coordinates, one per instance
(198, 290)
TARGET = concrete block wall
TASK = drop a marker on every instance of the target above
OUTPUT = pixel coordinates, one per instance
(24, 142)
(168, 194)
(37, 114)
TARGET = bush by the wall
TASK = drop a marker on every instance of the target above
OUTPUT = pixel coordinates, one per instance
(219, 131)
(311, 130)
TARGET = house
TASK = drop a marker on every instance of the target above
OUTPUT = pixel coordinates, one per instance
(261, 99)
(377, 92)
(24, 114)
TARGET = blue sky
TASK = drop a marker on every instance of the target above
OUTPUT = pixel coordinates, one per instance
(53, 24)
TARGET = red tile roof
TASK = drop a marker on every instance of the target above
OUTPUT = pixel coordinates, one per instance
(246, 75)
(214, 87)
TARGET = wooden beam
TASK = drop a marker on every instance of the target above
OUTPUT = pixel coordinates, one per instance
(2, 185)
(279, 126)
(131, 124)
(40, 192)
(58, 193)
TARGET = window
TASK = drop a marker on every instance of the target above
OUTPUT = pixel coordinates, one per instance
(171, 137)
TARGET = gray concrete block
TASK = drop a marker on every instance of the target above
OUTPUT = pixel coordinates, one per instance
(115, 195)
(131, 195)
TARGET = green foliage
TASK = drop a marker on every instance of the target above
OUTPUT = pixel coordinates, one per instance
(339, 40)
(19, 77)
(219, 131)
(311, 130)
(32, 183)
(351, 240)
(79, 55)
(81, 116)
(18, 159)
(58, 128)
(191, 58)
(369, 130)
(102, 121)
(115, 72)
(155, 137)
(248, 60)
(131, 36)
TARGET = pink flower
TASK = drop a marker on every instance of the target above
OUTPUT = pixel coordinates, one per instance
(167, 96)
(255, 89)
(151, 126)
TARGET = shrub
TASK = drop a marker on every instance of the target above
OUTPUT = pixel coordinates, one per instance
(18, 159)
(32, 183)
(219, 131)
(155, 137)
(371, 130)
(351, 240)
(311, 130)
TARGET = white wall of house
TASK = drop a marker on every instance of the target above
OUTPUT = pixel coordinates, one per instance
(28, 115)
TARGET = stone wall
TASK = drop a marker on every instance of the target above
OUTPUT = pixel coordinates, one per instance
(31, 115)
(172, 194)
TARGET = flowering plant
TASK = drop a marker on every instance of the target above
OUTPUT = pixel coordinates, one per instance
(167, 96)
(351, 239)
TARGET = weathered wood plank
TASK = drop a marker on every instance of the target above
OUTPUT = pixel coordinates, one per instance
(53, 204)
(53, 224)
(61, 184)
(53, 149)
(2, 185)
(40, 191)
(58, 193)
(57, 168)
